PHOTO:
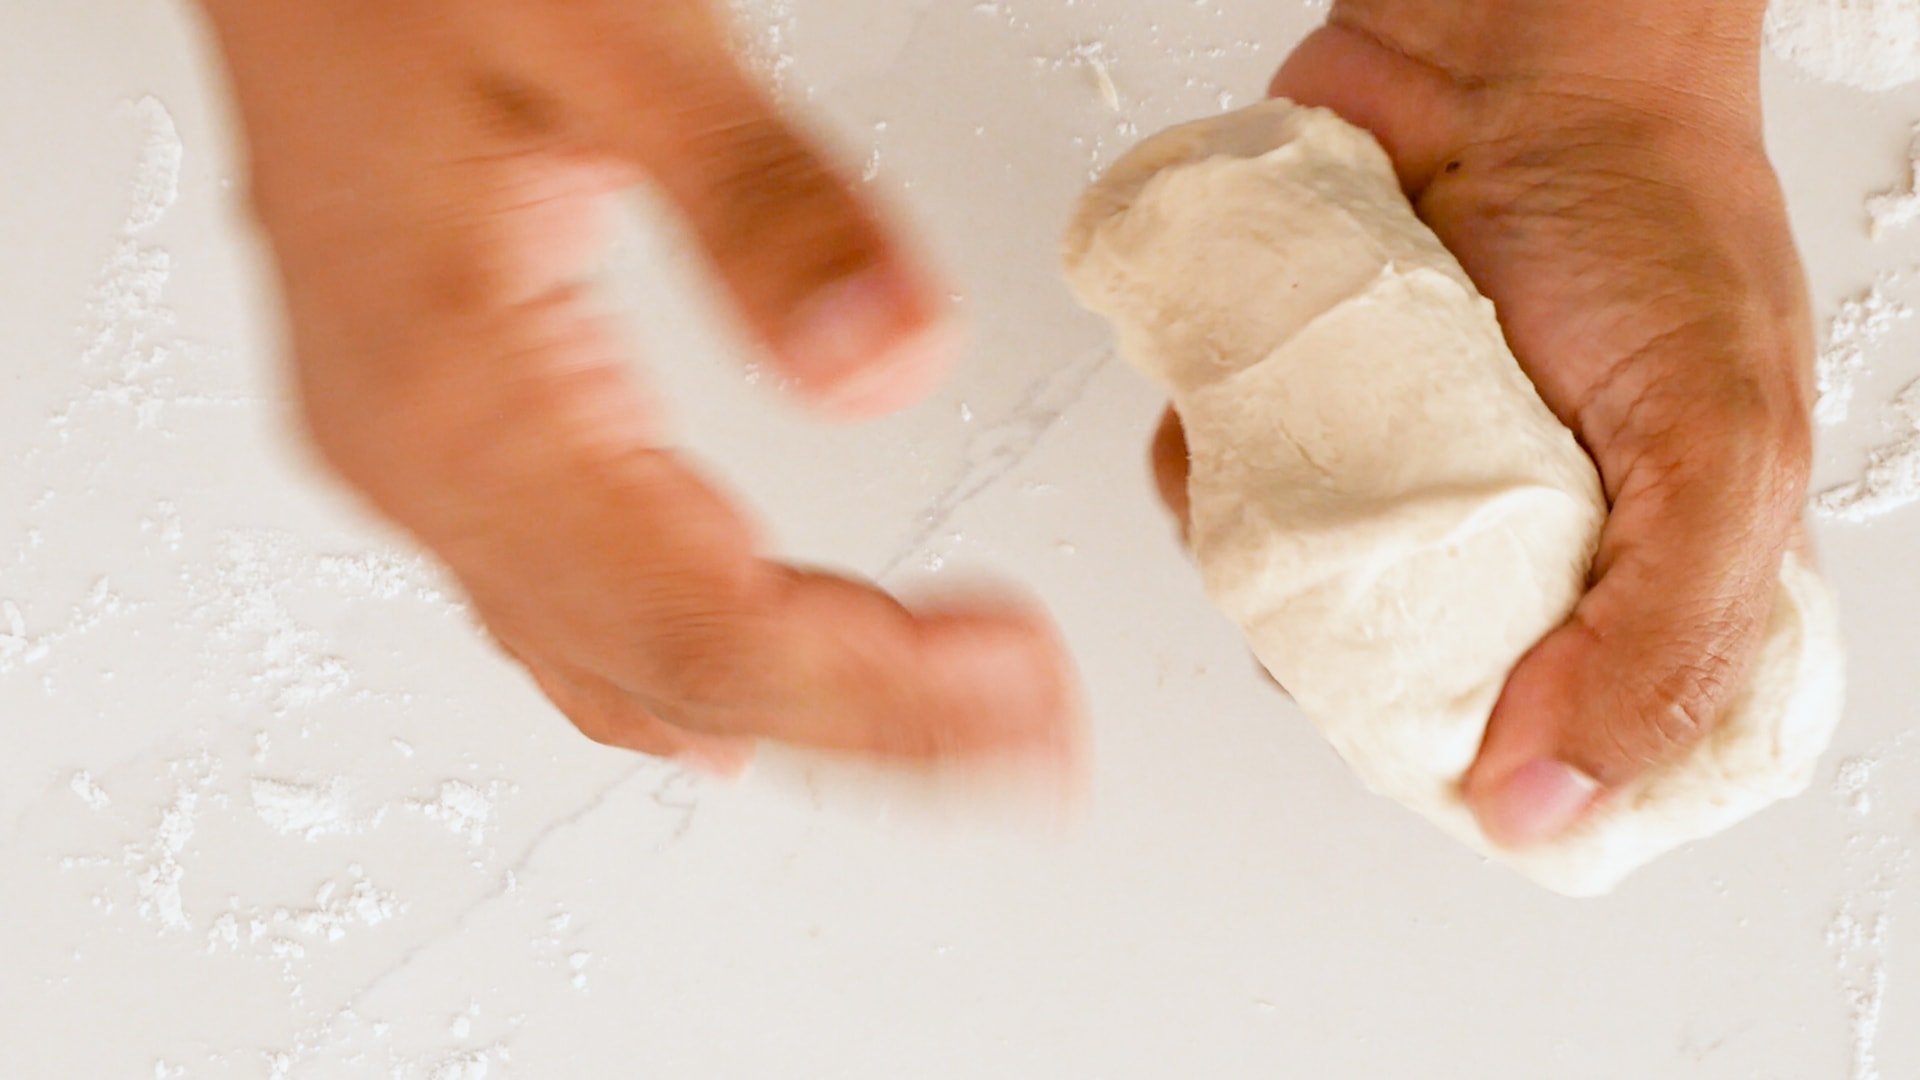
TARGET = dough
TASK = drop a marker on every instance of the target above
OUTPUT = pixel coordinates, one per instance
(1379, 497)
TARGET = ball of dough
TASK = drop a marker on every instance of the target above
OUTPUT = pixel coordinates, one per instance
(1379, 497)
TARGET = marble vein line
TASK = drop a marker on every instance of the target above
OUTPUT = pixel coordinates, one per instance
(999, 449)
(528, 853)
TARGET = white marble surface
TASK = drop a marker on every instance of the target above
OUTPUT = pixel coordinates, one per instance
(269, 808)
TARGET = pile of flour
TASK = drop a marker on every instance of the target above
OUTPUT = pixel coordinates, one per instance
(1867, 44)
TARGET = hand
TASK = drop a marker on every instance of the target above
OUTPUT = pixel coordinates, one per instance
(433, 177)
(1634, 239)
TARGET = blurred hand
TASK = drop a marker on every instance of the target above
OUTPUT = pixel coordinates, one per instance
(1632, 233)
(433, 177)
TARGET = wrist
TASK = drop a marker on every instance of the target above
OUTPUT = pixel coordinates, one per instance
(1650, 53)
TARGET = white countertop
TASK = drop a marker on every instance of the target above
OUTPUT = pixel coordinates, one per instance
(268, 807)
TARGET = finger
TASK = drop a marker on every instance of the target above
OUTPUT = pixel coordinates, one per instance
(816, 660)
(611, 717)
(1404, 102)
(1170, 469)
(1655, 652)
(830, 663)
(532, 475)
(849, 314)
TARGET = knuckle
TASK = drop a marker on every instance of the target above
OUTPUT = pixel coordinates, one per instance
(702, 672)
(1682, 707)
(1688, 707)
(757, 168)
(771, 194)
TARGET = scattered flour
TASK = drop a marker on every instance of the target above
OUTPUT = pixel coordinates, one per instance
(20, 649)
(309, 811)
(1892, 479)
(1853, 783)
(468, 1066)
(344, 1043)
(554, 951)
(1865, 44)
(90, 792)
(129, 338)
(385, 575)
(1858, 327)
(766, 39)
(1858, 932)
(336, 909)
(164, 523)
(246, 598)
(155, 865)
(156, 182)
(1898, 209)
(462, 808)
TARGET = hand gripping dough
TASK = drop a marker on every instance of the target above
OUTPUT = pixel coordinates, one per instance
(1379, 497)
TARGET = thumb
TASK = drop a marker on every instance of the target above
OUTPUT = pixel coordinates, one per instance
(1653, 654)
(849, 314)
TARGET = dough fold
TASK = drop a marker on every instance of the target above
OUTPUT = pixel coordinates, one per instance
(1380, 499)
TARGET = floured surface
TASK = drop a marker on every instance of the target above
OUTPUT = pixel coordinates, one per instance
(186, 609)
(1898, 207)
(1892, 478)
(1859, 328)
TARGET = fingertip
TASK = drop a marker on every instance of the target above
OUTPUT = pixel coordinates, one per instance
(1533, 804)
(721, 758)
(869, 345)
(980, 680)
(1523, 788)
(849, 310)
(1171, 461)
(1009, 684)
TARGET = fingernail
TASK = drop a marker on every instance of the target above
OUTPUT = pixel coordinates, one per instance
(858, 350)
(1022, 683)
(1537, 803)
(720, 761)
